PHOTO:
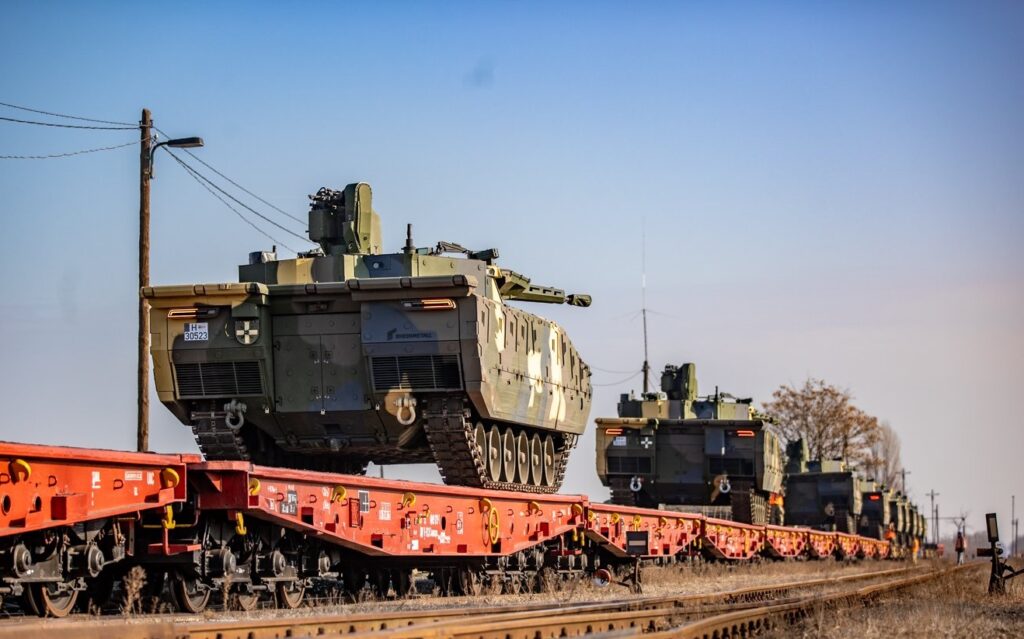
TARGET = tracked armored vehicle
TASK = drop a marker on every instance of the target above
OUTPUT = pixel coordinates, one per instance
(822, 494)
(347, 355)
(673, 449)
(875, 510)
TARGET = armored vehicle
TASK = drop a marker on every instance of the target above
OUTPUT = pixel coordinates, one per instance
(346, 355)
(676, 450)
(826, 496)
(875, 510)
(900, 521)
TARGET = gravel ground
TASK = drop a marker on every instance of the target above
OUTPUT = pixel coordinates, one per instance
(959, 606)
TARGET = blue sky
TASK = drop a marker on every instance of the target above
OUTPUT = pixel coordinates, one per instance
(833, 190)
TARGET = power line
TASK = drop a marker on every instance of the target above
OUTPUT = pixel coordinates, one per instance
(237, 185)
(69, 126)
(70, 117)
(192, 173)
(621, 381)
(66, 155)
(236, 200)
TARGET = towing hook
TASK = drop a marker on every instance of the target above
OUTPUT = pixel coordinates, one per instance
(406, 404)
(635, 484)
(234, 414)
(724, 486)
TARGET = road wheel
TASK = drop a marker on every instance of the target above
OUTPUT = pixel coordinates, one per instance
(508, 455)
(536, 460)
(493, 453)
(523, 458)
(548, 461)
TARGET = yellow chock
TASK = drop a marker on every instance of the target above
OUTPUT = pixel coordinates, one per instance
(338, 494)
(577, 510)
(637, 522)
(169, 478)
(240, 524)
(20, 470)
(254, 486)
(408, 500)
(533, 507)
(616, 518)
(662, 522)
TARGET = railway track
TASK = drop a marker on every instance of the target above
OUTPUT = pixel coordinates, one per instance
(651, 614)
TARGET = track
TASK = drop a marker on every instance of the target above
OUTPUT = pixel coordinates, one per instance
(634, 615)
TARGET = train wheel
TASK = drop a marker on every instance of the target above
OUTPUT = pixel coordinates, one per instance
(508, 455)
(470, 583)
(523, 458)
(48, 600)
(536, 460)
(549, 461)
(493, 453)
(243, 599)
(188, 595)
(289, 595)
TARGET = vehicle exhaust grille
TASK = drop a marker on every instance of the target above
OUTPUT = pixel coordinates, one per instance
(417, 372)
(219, 379)
(629, 465)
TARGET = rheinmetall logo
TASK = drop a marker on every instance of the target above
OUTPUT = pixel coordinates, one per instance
(394, 334)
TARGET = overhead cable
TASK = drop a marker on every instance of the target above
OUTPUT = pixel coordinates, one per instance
(69, 126)
(70, 117)
(237, 185)
(192, 173)
(236, 200)
(66, 155)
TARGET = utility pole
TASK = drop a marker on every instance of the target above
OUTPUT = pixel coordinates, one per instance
(903, 480)
(145, 157)
(935, 522)
(146, 151)
(1013, 524)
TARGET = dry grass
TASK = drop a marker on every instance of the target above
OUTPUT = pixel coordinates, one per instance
(958, 606)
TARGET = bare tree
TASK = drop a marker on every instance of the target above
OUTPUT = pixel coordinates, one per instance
(826, 419)
(884, 463)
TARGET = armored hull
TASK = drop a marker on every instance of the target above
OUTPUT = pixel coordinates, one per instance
(344, 356)
(829, 497)
(674, 450)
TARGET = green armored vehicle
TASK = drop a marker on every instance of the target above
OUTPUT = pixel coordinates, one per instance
(675, 450)
(346, 355)
(822, 494)
(876, 512)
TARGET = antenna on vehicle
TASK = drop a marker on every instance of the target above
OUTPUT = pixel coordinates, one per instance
(643, 299)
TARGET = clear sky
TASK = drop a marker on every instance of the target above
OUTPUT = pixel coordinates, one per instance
(833, 190)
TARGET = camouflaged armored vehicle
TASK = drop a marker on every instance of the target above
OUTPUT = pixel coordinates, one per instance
(346, 355)
(823, 494)
(673, 449)
(900, 522)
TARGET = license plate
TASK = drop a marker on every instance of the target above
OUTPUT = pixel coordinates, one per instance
(197, 332)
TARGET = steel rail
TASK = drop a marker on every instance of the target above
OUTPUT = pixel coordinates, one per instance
(398, 624)
(747, 623)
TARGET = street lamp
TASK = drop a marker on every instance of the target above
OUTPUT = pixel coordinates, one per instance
(145, 175)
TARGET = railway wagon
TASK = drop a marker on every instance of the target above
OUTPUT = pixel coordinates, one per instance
(74, 521)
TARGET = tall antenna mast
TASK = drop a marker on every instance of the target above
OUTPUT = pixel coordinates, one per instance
(643, 300)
